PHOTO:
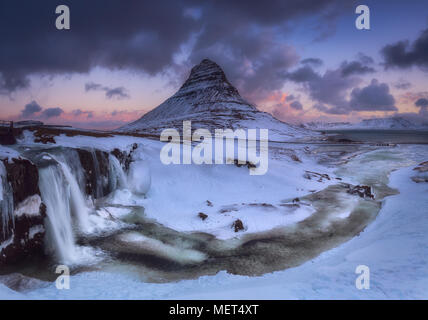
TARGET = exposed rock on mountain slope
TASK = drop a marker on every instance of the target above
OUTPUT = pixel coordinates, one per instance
(210, 101)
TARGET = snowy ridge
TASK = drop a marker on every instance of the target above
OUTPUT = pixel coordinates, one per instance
(392, 123)
(209, 100)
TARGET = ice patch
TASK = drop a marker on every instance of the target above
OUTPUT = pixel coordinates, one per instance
(29, 207)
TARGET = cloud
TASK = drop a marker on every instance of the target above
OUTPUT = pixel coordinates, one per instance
(303, 74)
(296, 105)
(374, 97)
(404, 55)
(315, 62)
(148, 36)
(355, 67)
(119, 93)
(30, 109)
(402, 85)
(51, 113)
(422, 103)
(79, 112)
(290, 98)
(329, 88)
(111, 93)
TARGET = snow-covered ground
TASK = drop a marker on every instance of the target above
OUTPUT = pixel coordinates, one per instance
(394, 247)
(177, 193)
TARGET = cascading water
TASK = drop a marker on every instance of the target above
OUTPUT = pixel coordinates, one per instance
(98, 187)
(61, 181)
(64, 201)
(77, 201)
(56, 195)
(117, 176)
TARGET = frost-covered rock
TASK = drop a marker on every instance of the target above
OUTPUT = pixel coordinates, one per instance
(139, 177)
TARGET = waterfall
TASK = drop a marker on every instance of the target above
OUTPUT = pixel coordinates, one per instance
(6, 201)
(56, 195)
(77, 200)
(117, 178)
(61, 183)
(99, 185)
(64, 201)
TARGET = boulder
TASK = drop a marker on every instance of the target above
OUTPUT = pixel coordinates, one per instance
(238, 225)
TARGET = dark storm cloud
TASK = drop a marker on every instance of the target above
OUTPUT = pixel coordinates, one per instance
(296, 105)
(30, 109)
(374, 97)
(403, 54)
(316, 62)
(142, 35)
(111, 93)
(355, 67)
(147, 35)
(422, 102)
(51, 113)
(329, 88)
(303, 74)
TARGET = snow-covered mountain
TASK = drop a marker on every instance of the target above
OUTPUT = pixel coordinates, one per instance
(318, 125)
(210, 101)
(387, 123)
(392, 123)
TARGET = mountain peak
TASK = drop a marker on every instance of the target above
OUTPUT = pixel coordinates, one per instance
(207, 75)
(210, 101)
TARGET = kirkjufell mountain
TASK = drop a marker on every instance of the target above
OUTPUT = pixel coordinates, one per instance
(210, 101)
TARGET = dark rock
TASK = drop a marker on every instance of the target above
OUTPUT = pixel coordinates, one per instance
(248, 164)
(295, 158)
(238, 225)
(362, 191)
(209, 203)
(97, 169)
(125, 158)
(44, 139)
(25, 233)
(296, 200)
(7, 138)
(202, 215)
(23, 177)
(320, 176)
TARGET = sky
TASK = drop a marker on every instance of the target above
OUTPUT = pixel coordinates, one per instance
(301, 60)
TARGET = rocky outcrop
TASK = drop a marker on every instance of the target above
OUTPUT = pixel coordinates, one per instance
(421, 173)
(238, 225)
(202, 215)
(96, 166)
(361, 191)
(125, 158)
(21, 230)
